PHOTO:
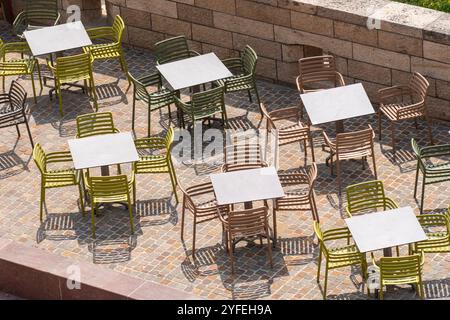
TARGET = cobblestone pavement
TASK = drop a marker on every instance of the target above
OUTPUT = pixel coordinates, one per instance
(156, 252)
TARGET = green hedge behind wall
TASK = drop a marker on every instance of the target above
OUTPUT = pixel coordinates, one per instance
(442, 5)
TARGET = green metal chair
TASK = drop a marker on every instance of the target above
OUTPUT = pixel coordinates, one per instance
(400, 271)
(18, 67)
(437, 229)
(155, 157)
(173, 49)
(366, 197)
(72, 69)
(55, 178)
(110, 189)
(244, 69)
(37, 14)
(155, 100)
(203, 105)
(431, 173)
(93, 124)
(111, 50)
(338, 256)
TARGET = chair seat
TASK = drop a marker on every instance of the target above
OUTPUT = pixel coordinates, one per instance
(292, 133)
(236, 86)
(390, 111)
(152, 164)
(405, 280)
(158, 99)
(59, 178)
(29, 67)
(437, 242)
(353, 256)
(102, 51)
(433, 175)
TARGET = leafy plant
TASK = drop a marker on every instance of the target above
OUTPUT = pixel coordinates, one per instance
(442, 5)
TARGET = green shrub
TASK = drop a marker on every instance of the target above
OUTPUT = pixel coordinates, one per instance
(442, 5)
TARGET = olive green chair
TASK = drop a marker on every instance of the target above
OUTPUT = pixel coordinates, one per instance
(71, 69)
(37, 14)
(437, 229)
(110, 50)
(155, 157)
(431, 173)
(338, 255)
(110, 189)
(58, 177)
(368, 197)
(93, 124)
(244, 74)
(203, 105)
(173, 49)
(157, 99)
(18, 67)
(400, 271)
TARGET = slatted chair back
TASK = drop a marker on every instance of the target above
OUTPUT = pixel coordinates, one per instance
(93, 124)
(397, 270)
(248, 223)
(108, 187)
(140, 89)
(207, 103)
(231, 167)
(42, 12)
(118, 28)
(249, 60)
(73, 68)
(355, 144)
(332, 235)
(437, 228)
(40, 158)
(419, 86)
(172, 49)
(317, 70)
(17, 96)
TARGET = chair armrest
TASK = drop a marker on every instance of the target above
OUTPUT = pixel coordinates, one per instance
(193, 53)
(60, 156)
(185, 107)
(20, 47)
(233, 63)
(328, 141)
(154, 143)
(393, 92)
(435, 151)
(286, 113)
(151, 80)
(101, 32)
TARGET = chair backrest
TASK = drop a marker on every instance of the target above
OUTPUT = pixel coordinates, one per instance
(270, 123)
(399, 268)
(243, 153)
(354, 143)
(73, 68)
(439, 225)
(108, 186)
(249, 60)
(419, 85)
(40, 158)
(17, 96)
(139, 88)
(316, 70)
(118, 28)
(249, 222)
(93, 124)
(42, 12)
(207, 102)
(172, 49)
(368, 196)
(230, 167)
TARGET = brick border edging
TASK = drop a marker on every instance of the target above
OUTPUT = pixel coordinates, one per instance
(33, 273)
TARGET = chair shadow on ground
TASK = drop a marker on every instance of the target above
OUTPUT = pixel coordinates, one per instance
(112, 250)
(11, 164)
(63, 226)
(110, 94)
(156, 212)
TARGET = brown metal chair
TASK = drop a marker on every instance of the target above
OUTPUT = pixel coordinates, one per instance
(351, 145)
(201, 202)
(318, 73)
(12, 109)
(243, 153)
(244, 224)
(297, 132)
(230, 167)
(404, 102)
(299, 194)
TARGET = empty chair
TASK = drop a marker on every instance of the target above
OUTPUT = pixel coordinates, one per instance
(431, 172)
(12, 111)
(404, 102)
(37, 14)
(236, 166)
(290, 133)
(156, 99)
(203, 106)
(351, 145)
(109, 189)
(71, 69)
(59, 176)
(437, 229)
(244, 224)
(368, 197)
(18, 67)
(239, 153)
(93, 124)
(399, 271)
(299, 194)
(337, 255)
(244, 73)
(173, 49)
(155, 157)
(109, 50)
(318, 73)
(201, 202)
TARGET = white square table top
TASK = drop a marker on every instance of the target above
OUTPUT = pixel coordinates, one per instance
(103, 150)
(57, 38)
(381, 230)
(194, 71)
(246, 185)
(337, 104)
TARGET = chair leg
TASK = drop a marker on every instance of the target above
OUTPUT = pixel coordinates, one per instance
(94, 93)
(319, 262)
(269, 248)
(274, 221)
(312, 147)
(231, 251)
(3, 83)
(423, 195)
(130, 212)
(250, 95)
(149, 121)
(133, 112)
(34, 88)
(93, 207)
(338, 169)
(183, 211)
(59, 93)
(39, 74)
(381, 293)
(374, 166)
(314, 210)
(173, 180)
(42, 202)
(194, 230)
(80, 190)
(18, 130)
(325, 284)
(134, 190)
(379, 125)
(29, 133)
(416, 181)
(393, 136)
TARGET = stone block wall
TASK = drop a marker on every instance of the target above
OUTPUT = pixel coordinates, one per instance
(405, 38)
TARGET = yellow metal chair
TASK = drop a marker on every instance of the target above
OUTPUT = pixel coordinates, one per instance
(399, 271)
(93, 124)
(110, 189)
(57, 178)
(155, 157)
(111, 50)
(337, 256)
(18, 66)
(71, 69)
(437, 229)
(368, 197)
